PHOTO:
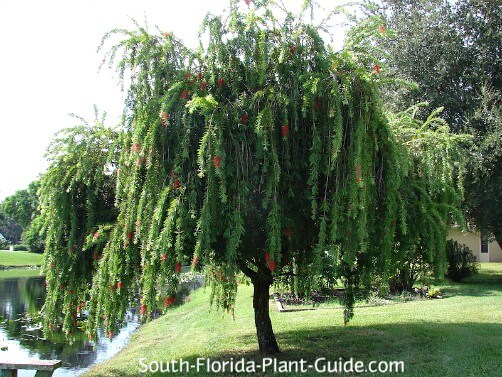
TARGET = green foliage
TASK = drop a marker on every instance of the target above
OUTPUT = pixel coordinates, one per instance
(461, 261)
(434, 293)
(9, 229)
(21, 248)
(34, 235)
(448, 49)
(22, 206)
(429, 196)
(451, 50)
(77, 194)
(262, 152)
(483, 176)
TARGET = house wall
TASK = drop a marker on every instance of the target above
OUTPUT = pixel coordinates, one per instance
(473, 241)
(495, 252)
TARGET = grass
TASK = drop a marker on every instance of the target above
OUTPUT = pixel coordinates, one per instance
(19, 273)
(19, 259)
(459, 335)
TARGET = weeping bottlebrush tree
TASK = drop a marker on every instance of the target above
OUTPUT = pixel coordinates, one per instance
(429, 197)
(77, 196)
(262, 153)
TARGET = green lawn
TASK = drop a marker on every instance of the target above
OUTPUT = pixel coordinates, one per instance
(12, 273)
(19, 258)
(459, 335)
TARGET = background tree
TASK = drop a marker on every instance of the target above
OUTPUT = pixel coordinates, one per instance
(9, 229)
(483, 178)
(260, 153)
(452, 51)
(425, 47)
(22, 206)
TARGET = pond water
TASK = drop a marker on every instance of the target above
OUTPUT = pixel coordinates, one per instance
(22, 296)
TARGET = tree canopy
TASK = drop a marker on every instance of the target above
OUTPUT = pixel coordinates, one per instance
(264, 152)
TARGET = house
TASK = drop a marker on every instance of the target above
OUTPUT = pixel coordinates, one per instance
(484, 250)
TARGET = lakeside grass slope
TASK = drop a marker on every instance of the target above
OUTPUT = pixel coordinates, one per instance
(19, 259)
(458, 335)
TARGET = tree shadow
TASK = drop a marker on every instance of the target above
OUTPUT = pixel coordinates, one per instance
(426, 348)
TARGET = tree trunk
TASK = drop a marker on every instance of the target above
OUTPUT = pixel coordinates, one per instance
(266, 338)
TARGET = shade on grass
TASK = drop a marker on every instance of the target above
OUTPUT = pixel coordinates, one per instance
(460, 334)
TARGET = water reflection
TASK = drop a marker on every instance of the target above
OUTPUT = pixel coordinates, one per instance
(20, 301)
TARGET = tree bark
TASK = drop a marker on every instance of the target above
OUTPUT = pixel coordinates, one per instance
(266, 337)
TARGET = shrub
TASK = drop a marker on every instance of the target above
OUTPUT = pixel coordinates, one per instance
(21, 248)
(434, 293)
(461, 262)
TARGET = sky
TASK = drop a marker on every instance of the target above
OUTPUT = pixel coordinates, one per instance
(49, 68)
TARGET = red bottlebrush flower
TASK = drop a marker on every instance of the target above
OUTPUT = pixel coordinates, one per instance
(75, 323)
(164, 116)
(267, 257)
(70, 291)
(376, 68)
(110, 334)
(129, 236)
(52, 266)
(195, 260)
(135, 147)
(244, 118)
(292, 48)
(119, 285)
(272, 265)
(163, 257)
(176, 184)
(381, 29)
(184, 94)
(220, 82)
(168, 301)
(200, 75)
(96, 235)
(187, 76)
(142, 309)
(358, 171)
(217, 161)
(288, 232)
(285, 130)
(203, 85)
(177, 267)
(248, 2)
